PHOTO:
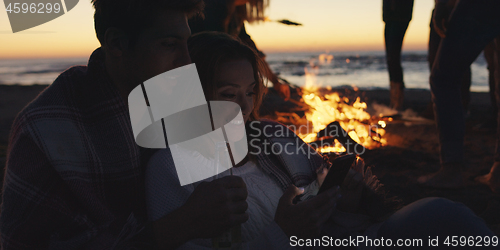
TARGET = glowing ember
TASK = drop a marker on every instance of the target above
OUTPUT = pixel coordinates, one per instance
(382, 124)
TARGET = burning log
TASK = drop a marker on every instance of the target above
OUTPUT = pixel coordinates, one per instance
(335, 131)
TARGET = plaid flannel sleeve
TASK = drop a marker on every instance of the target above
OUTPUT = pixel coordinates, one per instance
(39, 210)
(37, 207)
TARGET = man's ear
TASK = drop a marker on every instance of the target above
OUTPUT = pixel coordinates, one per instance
(115, 41)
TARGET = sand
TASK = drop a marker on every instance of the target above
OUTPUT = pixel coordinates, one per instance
(412, 148)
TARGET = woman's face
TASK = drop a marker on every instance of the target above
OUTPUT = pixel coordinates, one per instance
(236, 82)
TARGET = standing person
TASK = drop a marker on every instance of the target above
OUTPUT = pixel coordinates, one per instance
(229, 16)
(434, 41)
(74, 176)
(473, 24)
(397, 15)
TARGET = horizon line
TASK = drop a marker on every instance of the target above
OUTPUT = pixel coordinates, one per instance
(266, 52)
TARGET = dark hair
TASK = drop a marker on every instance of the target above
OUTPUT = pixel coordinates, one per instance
(208, 50)
(132, 16)
(253, 10)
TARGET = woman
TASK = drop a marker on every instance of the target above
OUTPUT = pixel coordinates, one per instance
(262, 195)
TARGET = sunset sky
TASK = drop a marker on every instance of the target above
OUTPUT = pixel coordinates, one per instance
(328, 25)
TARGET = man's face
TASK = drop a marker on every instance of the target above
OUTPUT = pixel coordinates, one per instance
(159, 48)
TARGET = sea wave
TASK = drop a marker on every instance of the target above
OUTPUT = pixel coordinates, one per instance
(362, 69)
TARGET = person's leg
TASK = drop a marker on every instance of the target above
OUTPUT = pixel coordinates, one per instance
(492, 179)
(465, 90)
(434, 40)
(429, 218)
(394, 35)
(491, 122)
(489, 55)
(473, 24)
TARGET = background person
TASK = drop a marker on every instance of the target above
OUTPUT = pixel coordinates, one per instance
(472, 26)
(397, 15)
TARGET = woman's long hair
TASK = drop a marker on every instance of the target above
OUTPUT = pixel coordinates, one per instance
(208, 50)
(252, 12)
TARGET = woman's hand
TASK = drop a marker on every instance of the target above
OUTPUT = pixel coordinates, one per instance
(352, 188)
(212, 208)
(305, 219)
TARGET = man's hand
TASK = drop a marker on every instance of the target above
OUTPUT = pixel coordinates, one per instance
(212, 208)
(217, 206)
(305, 219)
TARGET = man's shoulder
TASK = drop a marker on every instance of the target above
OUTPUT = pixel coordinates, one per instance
(59, 97)
(62, 89)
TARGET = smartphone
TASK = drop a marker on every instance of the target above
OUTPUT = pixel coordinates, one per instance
(338, 171)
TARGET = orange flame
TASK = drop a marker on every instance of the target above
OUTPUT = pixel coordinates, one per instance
(326, 109)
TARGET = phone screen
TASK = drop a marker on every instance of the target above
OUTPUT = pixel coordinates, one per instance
(338, 171)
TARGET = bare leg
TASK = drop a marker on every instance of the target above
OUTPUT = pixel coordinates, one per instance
(492, 179)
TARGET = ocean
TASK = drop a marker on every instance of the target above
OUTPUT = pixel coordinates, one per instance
(365, 70)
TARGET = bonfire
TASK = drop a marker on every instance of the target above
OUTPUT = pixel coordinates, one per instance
(332, 122)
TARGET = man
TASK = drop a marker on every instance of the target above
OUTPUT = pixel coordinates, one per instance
(473, 24)
(74, 175)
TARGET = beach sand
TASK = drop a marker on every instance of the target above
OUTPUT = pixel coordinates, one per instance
(412, 149)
